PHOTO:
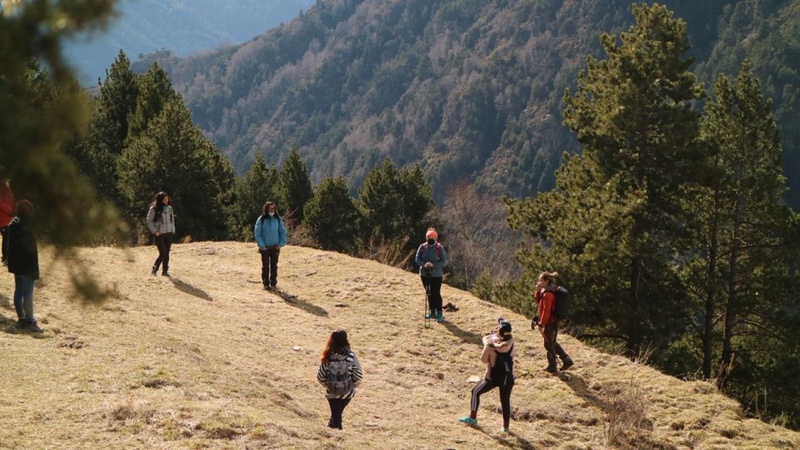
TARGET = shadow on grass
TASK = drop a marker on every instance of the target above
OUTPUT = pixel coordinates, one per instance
(5, 301)
(191, 290)
(581, 388)
(510, 439)
(302, 304)
(466, 336)
(10, 327)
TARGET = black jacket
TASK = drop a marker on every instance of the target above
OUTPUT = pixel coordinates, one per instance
(23, 254)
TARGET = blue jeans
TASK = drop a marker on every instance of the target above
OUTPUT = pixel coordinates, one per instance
(23, 297)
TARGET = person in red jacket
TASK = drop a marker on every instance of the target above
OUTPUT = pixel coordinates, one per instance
(545, 298)
(6, 214)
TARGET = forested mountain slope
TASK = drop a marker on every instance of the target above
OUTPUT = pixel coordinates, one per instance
(467, 89)
(180, 27)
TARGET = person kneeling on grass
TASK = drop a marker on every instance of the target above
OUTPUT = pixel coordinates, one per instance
(498, 355)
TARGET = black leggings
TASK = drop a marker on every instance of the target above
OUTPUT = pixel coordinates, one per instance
(505, 397)
(164, 243)
(435, 294)
(337, 408)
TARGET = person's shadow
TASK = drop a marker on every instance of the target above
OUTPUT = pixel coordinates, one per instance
(5, 301)
(465, 336)
(300, 303)
(191, 290)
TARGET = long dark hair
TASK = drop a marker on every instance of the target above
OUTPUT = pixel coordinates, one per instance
(337, 343)
(265, 210)
(158, 203)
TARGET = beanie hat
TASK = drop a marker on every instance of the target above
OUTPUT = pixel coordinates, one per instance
(432, 234)
(504, 325)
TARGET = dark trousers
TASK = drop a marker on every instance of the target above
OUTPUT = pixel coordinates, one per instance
(269, 266)
(505, 398)
(435, 292)
(337, 408)
(164, 243)
(552, 346)
(4, 232)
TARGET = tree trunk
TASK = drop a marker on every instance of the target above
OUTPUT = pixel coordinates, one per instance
(711, 291)
(731, 313)
(634, 343)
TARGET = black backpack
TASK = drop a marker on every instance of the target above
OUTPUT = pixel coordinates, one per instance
(503, 369)
(561, 309)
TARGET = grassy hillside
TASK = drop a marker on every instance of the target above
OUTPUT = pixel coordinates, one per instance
(208, 360)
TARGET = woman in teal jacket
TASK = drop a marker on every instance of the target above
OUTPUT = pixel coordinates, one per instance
(270, 234)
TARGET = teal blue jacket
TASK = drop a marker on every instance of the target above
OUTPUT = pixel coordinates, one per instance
(270, 232)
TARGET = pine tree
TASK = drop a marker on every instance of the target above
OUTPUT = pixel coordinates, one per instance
(332, 216)
(259, 185)
(155, 91)
(113, 109)
(42, 112)
(745, 228)
(296, 186)
(610, 226)
(172, 155)
(394, 204)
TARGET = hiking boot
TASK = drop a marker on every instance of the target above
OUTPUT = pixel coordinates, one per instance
(504, 430)
(165, 274)
(567, 364)
(33, 328)
(469, 421)
(439, 316)
(267, 287)
(154, 271)
(22, 323)
(430, 314)
(550, 369)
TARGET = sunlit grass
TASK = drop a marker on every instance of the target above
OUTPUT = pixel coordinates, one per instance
(209, 360)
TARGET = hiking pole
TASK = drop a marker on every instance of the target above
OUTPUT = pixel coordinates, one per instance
(425, 303)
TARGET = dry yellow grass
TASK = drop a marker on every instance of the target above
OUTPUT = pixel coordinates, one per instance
(208, 360)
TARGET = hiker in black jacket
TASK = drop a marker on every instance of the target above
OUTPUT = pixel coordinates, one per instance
(23, 262)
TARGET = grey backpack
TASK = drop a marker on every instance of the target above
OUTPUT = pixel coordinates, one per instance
(339, 381)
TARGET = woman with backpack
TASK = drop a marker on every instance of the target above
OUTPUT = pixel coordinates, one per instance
(340, 372)
(498, 355)
(544, 298)
(161, 222)
(270, 234)
(431, 258)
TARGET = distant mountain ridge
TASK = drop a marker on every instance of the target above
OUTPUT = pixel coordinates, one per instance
(179, 26)
(467, 90)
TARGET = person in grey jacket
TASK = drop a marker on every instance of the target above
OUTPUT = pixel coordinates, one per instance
(161, 222)
(431, 258)
(337, 353)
